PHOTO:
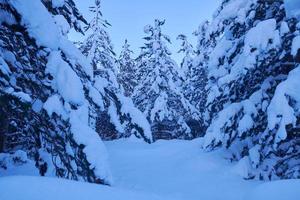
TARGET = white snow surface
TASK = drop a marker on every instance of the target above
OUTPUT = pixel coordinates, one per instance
(165, 170)
(277, 190)
(38, 188)
(177, 170)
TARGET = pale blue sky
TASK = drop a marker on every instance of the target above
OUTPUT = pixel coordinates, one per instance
(128, 18)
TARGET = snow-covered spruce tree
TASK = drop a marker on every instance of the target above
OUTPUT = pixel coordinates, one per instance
(252, 69)
(127, 72)
(194, 75)
(46, 94)
(118, 117)
(98, 48)
(198, 73)
(159, 94)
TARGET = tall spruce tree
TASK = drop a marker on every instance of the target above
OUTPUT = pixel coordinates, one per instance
(194, 69)
(98, 47)
(158, 93)
(194, 75)
(251, 68)
(127, 73)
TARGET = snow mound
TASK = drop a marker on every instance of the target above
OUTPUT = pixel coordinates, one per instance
(37, 188)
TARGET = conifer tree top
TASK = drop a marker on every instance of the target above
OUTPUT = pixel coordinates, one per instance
(156, 41)
(126, 51)
(98, 46)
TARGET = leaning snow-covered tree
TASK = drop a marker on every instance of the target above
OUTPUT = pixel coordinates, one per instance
(159, 94)
(118, 117)
(46, 93)
(252, 100)
(127, 72)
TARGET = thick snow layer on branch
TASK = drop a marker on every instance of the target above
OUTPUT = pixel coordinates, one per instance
(57, 3)
(96, 96)
(54, 105)
(160, 109)
(43, 28)
(232, 9)
(280, 111)
(257, 40)
(65, 80)
(62, 24)
(260, 36)
(39, 22)
(4, 67)
(76, 56)
(137, 117)
(115, 119)
(94, 148)
(216, 131)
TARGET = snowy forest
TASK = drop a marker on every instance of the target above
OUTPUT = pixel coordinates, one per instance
(79, 121)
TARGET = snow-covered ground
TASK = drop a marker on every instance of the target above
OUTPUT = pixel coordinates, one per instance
(37, 188)
(165, 170)
(176, 169)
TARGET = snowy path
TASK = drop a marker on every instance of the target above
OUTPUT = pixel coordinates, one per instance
(177, 170)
